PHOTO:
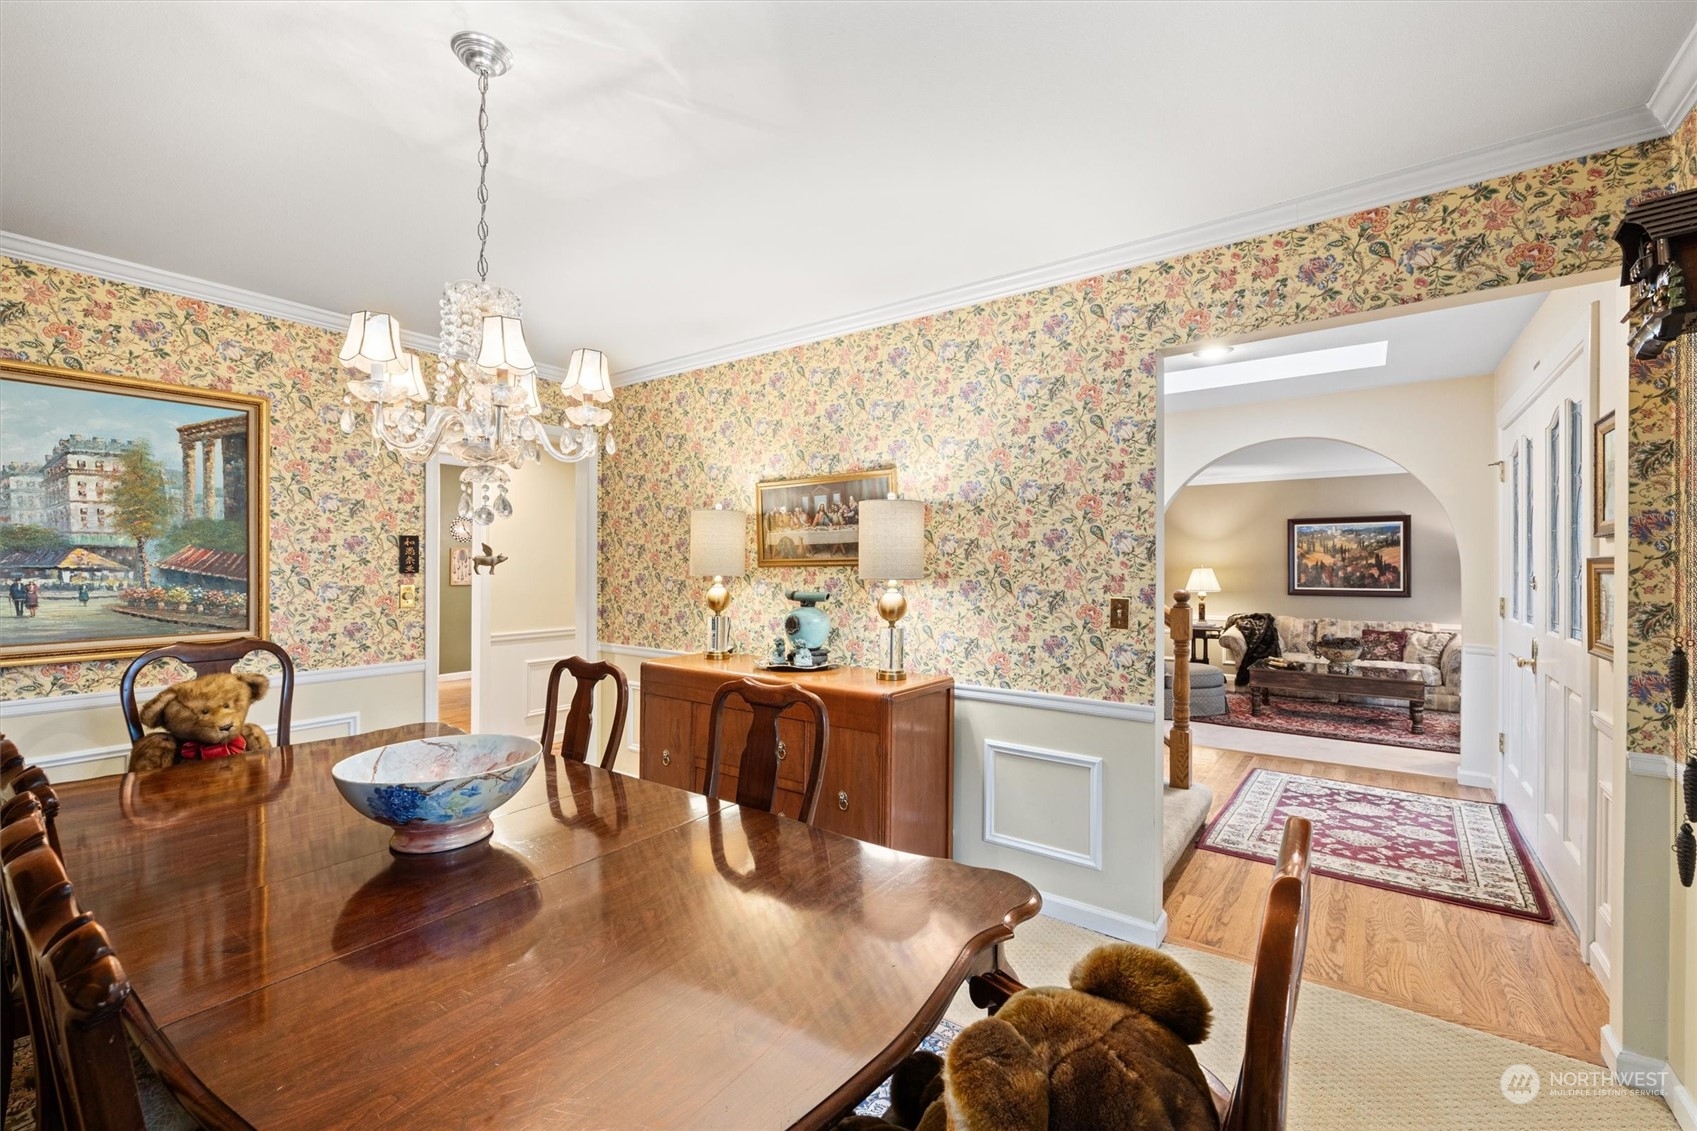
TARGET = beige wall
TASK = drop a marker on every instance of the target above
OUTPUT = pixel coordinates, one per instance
(1240, 531)
(536, 586)
(453, 601)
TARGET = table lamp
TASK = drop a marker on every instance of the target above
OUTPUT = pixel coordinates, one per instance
(1202, 582)
(892, 550)
(717, 549)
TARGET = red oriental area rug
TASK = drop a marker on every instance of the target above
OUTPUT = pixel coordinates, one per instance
(1352, 722)
(1464, 852)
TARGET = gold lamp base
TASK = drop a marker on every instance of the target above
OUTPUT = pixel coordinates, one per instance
(719, 645)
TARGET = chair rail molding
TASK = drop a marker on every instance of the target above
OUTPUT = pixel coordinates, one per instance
(347, 722)
(52, 704)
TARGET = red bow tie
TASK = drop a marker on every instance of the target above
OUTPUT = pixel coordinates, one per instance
(198, 752)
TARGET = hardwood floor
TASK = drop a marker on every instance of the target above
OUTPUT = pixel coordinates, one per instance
(1512, 977)
(453, 704)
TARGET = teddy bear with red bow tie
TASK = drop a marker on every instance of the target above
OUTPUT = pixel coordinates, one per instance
(202, 719)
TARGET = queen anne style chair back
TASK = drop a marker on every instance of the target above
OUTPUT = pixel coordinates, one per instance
(1258, 1101)
(206, 659)
(82, 1013)
(757, 770)
(574, 743)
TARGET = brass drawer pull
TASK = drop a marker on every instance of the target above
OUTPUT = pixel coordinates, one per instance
(842, 799)
(782, 750)
(665, 757)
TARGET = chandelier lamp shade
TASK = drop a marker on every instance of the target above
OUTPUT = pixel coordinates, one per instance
(481, 405)
(892, 550)
(718, 548)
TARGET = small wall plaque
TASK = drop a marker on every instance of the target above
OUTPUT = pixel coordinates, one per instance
(409, 553)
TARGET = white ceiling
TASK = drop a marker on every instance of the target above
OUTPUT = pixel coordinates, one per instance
(1433, 345)
(1294, 459)
(681, 182)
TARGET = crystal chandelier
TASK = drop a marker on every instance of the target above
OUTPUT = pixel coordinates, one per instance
(482, 406)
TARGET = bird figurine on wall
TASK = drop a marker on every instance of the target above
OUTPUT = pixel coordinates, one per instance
(487, 558)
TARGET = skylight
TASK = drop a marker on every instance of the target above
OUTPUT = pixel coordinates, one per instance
(1195, 376)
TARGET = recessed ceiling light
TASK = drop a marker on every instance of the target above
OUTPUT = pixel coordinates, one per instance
(1212, 353)
(1340, 359)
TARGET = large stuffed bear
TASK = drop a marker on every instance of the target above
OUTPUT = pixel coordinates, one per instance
(203, 718)
(1111, 1053)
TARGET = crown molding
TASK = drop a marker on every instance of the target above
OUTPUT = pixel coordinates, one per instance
(1676, 94)
(1579, 139)
(20, 246)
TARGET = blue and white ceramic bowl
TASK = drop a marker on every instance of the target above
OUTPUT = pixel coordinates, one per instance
(437, 793)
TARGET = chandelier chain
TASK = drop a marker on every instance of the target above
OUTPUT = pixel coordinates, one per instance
(483, 175)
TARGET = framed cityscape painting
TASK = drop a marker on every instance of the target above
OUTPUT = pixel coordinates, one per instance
(816, 521)
(132, 514)
(1349, 557)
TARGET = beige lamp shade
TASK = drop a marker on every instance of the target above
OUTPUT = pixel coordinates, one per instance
(504, 346)
(589, 376)
(373, 337)
(717, 543)
(892, 539)
(1202, 581)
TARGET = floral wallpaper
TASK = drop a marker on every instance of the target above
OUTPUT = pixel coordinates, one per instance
(1028, 425)
(336, 504)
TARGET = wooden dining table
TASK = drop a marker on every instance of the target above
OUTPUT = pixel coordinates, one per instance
(620, 954)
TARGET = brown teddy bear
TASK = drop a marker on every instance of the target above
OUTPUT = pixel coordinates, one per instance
(203, 718)
(1111, 1053)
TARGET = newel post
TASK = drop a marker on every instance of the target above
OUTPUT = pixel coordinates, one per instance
(1178, 739)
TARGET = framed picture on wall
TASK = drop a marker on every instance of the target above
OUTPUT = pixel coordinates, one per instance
(1600, 607)
(132, 514)
(1603, 478)
(459, 565)
(816, 521)
(1348, 557)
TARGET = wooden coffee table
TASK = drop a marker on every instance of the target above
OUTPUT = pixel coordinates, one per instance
(1263, 681)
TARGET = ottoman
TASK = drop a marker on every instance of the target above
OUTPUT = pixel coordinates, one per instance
(1207, 690)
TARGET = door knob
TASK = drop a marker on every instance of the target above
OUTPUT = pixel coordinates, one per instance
(1523, 662)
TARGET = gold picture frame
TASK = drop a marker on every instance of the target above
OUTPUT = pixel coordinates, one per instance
(1600, 607)
(813, 520)
(97, 596)
(1603, 477)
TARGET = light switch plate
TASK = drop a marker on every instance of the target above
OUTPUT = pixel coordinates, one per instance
(1119, 612)
(409, 596)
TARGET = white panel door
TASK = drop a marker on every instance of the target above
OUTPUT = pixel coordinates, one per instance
(1549, 772)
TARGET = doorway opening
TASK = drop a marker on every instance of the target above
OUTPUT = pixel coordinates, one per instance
(453, 605)
(1427, 397)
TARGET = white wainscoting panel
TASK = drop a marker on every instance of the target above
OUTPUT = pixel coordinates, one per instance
(514, 686)
(1044, 793)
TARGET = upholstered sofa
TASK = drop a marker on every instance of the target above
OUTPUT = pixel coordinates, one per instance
(1432, 653)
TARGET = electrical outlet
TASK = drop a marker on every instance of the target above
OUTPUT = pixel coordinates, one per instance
(1119, 612)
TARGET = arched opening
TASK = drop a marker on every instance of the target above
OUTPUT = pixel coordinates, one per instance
(1238, 515)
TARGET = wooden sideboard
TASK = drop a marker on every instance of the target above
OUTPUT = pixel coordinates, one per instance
(889, 768)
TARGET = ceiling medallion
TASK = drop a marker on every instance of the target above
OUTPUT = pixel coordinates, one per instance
(482, 405)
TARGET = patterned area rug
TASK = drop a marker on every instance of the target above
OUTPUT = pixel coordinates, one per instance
(938, 1042)
(1464, 852)
(1352, 722)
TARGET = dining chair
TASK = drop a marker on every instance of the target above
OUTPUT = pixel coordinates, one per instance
(757, 769)
(23, 789)
(1257, 1103)
(84, 1016)
(206, 659)
(574, 743)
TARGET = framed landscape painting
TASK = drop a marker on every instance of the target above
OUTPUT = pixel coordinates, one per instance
(1348, 557)
(132, 514)
(1603, 478)
(816, 521)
